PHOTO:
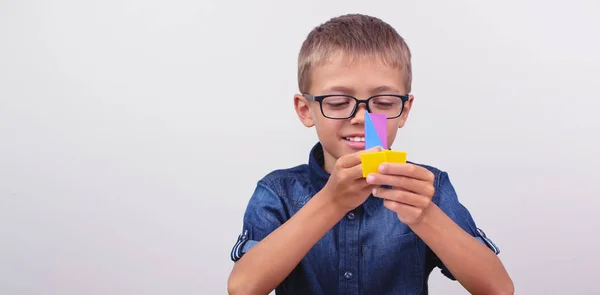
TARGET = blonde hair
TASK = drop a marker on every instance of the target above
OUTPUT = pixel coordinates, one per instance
(353, 35)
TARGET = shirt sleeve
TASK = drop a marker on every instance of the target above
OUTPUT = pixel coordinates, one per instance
(264, 213)
(448, 202)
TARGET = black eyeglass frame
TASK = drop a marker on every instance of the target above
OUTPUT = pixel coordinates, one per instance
(320, 98)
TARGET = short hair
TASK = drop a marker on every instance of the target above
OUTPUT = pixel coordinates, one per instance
(353, 35)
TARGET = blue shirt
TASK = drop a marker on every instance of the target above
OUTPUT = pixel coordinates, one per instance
(369, 251)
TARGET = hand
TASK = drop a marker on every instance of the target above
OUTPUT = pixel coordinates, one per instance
(346, 186)
(411, 192)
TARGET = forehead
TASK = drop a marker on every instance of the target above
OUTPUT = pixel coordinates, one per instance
(356, 75)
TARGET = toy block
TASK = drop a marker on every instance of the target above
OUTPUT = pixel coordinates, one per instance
(376, 135)
(372, 135)
(371, 161)
(395, 156)
(380, 123)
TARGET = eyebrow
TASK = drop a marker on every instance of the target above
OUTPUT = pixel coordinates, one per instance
(340, 89)
(349, 90)
(386, 89)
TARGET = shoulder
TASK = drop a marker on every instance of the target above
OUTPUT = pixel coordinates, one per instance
(287, 182)
(444, 190)
(437, 172)
(277, 195)
(431, 168)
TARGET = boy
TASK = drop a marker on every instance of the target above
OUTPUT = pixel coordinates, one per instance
(323, 228)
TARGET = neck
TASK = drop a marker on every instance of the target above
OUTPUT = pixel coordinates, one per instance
(329, 161)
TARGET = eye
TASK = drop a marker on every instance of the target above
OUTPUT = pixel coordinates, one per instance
(386, 101)
(337, 102)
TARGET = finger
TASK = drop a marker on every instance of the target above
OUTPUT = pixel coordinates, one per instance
(402, 209)
(411, 184)
(407, 169)
(355, 172)
(401, 196)
(353, 159)
(359, 184)
(364, 187)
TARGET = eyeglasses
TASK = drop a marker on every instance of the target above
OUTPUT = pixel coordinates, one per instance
(339, 106)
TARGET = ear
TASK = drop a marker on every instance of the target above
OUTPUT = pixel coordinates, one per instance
(407, 107)
(303, 110)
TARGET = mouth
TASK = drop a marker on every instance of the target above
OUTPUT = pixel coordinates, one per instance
(355, 138)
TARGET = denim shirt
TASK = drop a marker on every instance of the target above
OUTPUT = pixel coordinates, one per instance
(369, 251)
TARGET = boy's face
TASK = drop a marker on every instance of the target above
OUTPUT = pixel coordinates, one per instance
(362, 79)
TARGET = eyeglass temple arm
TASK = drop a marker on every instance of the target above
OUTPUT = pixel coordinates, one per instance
(311, 97)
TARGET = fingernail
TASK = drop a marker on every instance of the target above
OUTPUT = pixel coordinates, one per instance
(381, 167)
(374, 191)
(370, 178)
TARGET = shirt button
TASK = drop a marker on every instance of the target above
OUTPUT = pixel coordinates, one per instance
(351, 215)
(348, 275)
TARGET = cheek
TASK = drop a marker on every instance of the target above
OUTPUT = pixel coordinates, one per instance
(327, 127)
(315, 112)
(392, 129)
(393, 125)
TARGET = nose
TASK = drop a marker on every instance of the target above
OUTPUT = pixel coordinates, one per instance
(359, 116)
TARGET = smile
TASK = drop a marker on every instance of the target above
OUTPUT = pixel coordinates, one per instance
(356, 139)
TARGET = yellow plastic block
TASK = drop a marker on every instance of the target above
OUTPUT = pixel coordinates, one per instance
(395, 156)
(371, 161)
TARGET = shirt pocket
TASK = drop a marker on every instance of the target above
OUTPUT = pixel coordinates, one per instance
(392, 266)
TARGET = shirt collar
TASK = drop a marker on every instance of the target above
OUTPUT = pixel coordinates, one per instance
(318, 177)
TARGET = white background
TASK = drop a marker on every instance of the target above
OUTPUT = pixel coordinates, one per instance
(132, 133)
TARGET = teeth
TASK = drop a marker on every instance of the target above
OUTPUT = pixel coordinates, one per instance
(358, 139)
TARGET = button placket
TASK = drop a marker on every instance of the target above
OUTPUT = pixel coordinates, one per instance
(351, 215)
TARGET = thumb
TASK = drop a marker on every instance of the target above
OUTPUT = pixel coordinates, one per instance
(352, 160)
(371, 150)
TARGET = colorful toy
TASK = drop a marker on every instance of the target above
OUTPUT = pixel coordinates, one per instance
(376, 135)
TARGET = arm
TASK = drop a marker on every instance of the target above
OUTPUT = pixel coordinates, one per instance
(472, 263)
(282, 246)
(270, 261)
(438, 218)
